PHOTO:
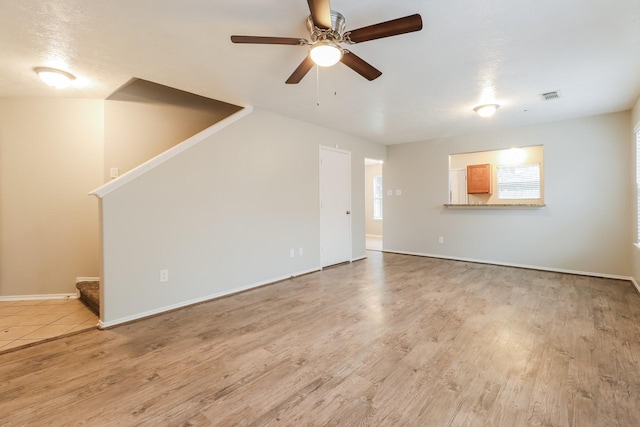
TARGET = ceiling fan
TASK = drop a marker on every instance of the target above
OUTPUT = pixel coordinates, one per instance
(326, 29)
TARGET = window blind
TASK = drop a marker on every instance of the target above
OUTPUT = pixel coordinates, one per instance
(519, 181)
(377, 197)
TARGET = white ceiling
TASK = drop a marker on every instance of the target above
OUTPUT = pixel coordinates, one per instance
(467, 52)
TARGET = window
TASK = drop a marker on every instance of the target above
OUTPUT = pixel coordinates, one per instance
(377, 197)
(519, 181)
(638, 183)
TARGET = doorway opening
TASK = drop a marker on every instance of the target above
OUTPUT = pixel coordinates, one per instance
(374, 209)
(458, 186)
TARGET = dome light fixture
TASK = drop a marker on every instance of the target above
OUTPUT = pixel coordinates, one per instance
(325, 53)
(486, 110)
(55, 78)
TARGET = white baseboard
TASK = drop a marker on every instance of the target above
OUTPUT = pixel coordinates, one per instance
(302, 273)
(87, 279)
(74, 295)
(127, 319)
(359, 258)
(38, 297)
(530, 267)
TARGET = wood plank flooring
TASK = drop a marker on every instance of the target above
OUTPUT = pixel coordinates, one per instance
(393, 340)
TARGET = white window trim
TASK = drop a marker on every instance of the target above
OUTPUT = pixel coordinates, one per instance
(637, 133)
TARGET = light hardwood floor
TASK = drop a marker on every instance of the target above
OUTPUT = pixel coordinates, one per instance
(393, 340)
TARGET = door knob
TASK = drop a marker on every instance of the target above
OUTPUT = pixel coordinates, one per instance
(348, 212)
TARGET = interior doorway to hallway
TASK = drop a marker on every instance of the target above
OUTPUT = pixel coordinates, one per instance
(374, 209)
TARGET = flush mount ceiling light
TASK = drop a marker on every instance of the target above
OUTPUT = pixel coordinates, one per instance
(54, 78)
(486, 110)
(326, 53)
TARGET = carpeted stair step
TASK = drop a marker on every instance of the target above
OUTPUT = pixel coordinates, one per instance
(90, 295)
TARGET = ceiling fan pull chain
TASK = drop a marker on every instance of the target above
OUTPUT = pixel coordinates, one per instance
(317, 86)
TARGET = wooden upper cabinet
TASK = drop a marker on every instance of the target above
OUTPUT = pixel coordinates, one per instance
(479, 179)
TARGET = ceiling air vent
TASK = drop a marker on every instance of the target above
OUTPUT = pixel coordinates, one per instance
(551, 95)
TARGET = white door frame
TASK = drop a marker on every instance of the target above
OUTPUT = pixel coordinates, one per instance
(458, 183)
(350, 238)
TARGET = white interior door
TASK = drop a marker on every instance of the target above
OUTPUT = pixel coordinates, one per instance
(458, 186)
(335, 206)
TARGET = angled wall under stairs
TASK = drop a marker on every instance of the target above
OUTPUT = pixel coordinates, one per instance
(143, 119)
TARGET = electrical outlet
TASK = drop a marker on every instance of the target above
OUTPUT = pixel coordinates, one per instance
(300, 251)
(164, 275)
(292, 253)
(440, 239)
(113, 173)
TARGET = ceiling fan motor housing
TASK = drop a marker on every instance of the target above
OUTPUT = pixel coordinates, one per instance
(333, 34)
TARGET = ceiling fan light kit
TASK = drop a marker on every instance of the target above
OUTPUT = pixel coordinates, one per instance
(326, 32)
(326, 53)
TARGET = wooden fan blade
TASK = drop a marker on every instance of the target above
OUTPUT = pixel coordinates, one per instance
(268, 40)
(408, 24)
(360, 66)
(320, 13)
(301, 71)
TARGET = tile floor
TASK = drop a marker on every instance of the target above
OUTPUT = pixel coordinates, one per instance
(26, 322)
(374, 243)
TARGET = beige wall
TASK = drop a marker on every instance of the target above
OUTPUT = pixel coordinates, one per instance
(144, 119)
(373, 226)
(50, 158)
(54, 151)
(635, 115)
(223, 215)
(585, 227)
